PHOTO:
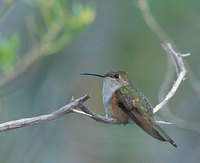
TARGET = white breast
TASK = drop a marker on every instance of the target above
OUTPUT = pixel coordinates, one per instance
(109, 87)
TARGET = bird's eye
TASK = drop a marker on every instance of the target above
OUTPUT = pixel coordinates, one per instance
(116, 76)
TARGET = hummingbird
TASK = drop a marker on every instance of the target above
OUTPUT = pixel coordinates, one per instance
(123, 101)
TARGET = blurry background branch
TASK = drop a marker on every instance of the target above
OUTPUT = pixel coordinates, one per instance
(8, 4)
(164, 37)
(61, 23)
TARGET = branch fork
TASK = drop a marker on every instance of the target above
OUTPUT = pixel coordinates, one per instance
(180, 71)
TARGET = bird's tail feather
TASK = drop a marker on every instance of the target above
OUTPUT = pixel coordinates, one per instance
(164, 136)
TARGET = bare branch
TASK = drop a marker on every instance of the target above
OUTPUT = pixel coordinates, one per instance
(181, 75)
(69, 108)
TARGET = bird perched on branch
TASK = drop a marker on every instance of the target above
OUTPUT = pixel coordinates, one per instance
(123, 101)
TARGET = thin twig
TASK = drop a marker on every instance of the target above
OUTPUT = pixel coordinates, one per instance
(163, 122)
(99, 118)
(181, 75)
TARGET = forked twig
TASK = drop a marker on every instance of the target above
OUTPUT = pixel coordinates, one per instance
(181, 74)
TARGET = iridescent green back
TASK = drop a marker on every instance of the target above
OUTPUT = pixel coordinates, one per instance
(131, 93)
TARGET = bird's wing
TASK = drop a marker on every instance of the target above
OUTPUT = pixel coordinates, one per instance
(138, 108)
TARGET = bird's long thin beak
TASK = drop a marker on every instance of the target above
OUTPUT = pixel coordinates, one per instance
(94, 74)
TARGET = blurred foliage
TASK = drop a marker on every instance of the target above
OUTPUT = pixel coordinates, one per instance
(8, 51)
(61, 22)
(9, 2)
